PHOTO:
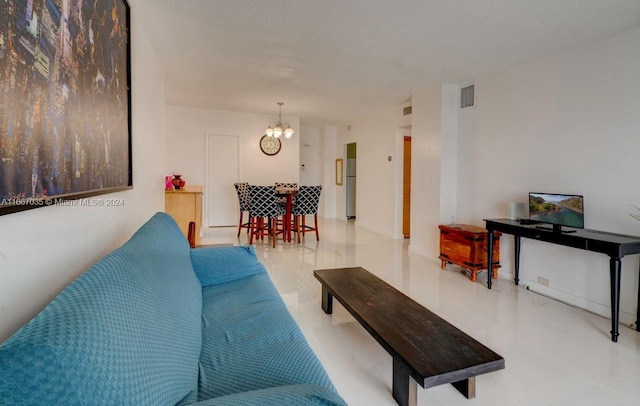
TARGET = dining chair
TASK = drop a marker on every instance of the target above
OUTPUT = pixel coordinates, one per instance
(242, 189)
(306, 205)
(264, 206)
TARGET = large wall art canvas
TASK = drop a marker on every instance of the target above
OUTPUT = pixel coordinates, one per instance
(65, 101)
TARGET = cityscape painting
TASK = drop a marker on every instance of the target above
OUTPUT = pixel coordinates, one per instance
(65, 105)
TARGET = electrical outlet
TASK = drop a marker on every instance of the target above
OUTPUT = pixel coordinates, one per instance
(543, 281)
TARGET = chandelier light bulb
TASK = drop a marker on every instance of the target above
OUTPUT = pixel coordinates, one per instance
(288, 132)
(277, 131)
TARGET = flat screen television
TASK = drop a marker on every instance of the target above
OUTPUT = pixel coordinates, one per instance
(557, 210)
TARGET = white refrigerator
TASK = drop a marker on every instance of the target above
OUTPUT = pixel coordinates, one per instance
(351, 188)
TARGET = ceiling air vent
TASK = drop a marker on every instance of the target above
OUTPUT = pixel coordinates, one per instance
(467, 96)
(406, 111)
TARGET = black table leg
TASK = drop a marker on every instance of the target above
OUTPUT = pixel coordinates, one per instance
(467, 387)
(405, 388)
(516, 246)
(489, 256)
(614, 268)
(327, 300)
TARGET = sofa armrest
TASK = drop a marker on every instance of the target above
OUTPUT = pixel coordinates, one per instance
(299, 395)
(215, 265)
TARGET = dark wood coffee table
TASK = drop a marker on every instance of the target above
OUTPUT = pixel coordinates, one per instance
(423, 345)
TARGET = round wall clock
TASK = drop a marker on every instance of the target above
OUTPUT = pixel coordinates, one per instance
(270, 145)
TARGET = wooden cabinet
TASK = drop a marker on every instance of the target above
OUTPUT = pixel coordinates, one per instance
(185, 205)
(466, 246)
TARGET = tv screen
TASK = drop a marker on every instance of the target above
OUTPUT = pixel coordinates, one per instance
(562, 210)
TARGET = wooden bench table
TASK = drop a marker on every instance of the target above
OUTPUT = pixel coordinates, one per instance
(423, 345)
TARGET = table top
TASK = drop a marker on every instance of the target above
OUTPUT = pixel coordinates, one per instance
(436, 351)
(591, 240)
(579, 232)
(286, 191)
(186, 189)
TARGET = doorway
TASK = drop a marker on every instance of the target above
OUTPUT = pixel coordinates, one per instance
(221, 173)
(406, 187)
(350, 181)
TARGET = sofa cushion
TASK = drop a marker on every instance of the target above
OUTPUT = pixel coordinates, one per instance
(251, 342)
(214, 265)
(127, 331)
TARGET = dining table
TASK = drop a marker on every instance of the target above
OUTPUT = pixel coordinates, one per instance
(289, 194)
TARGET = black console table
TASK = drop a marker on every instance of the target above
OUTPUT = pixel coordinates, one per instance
(615, 246)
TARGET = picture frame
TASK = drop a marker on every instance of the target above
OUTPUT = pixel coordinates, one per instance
(339, 171)
(66, 135)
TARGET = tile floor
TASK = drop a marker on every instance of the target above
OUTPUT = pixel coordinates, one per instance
(555, 354)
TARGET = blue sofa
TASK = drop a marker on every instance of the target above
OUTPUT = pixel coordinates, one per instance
(156, 323)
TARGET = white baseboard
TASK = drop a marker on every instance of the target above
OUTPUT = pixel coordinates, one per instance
(590, 306)
(376, 230)
(422, 252)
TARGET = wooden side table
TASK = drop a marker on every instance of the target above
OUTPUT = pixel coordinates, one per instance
(185, 205)
(466, 246)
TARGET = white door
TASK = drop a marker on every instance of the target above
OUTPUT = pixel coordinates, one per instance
(310, 172)
(222, 173)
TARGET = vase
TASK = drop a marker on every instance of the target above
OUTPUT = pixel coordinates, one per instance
(177, 182)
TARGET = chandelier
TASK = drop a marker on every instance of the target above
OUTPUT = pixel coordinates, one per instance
(277, 131)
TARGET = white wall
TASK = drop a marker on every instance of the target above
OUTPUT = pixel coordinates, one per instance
(449, 154)
(426, 149)
(565, 123)
(375, 136)
(186, 128)
(328, 155)
(310, 156)
(43, 250)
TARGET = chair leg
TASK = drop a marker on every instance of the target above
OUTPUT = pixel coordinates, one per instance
(266, 223)
(304, 225)
(240, 224)
(251, 225)
(255, 228)
(191, 235)
(260, 234)
(273, 223)
(297, 226)
(315, 218)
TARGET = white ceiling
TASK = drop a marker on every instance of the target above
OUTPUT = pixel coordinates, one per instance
(332, 60)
